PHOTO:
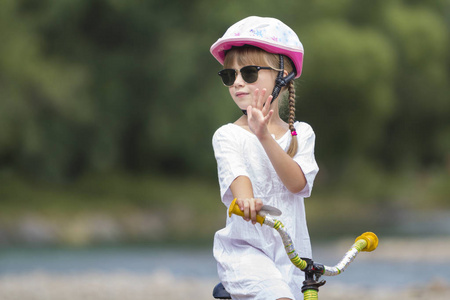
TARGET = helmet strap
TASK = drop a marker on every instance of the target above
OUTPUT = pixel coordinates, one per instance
(280, 82)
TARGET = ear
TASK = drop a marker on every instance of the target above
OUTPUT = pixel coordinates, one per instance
(285, 73)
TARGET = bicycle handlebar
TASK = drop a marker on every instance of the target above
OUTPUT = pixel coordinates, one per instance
(368, 241)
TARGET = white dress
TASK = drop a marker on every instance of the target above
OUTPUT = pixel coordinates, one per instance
(251, 260)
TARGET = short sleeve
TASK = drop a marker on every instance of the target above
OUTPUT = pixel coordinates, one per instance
(305, 156)
(230, 163)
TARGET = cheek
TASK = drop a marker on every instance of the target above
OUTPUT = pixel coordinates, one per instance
(230, 90)
(268, 85)
(267, 82)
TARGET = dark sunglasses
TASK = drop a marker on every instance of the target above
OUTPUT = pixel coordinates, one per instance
(248, 73)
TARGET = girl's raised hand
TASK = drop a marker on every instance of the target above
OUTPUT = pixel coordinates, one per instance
(259, 113)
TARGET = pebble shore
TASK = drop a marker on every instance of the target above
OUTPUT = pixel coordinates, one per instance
(162, 285)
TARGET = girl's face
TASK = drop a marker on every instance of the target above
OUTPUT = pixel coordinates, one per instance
(243, 93)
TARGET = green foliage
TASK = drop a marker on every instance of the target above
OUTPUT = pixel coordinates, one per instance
(106, 85)
(347, 88)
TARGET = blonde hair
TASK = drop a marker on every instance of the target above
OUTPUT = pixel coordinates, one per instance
(249, 55)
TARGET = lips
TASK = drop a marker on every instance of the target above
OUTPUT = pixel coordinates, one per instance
(241, 94)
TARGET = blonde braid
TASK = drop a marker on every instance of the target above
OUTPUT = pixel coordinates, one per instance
(294, 143)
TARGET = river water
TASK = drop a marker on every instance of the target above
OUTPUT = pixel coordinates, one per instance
(397, 263)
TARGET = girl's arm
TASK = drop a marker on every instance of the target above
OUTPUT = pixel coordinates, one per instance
(242, 190)
(287, 169)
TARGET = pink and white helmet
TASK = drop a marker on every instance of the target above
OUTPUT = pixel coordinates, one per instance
(268, 34)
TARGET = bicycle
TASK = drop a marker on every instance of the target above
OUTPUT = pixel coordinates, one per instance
(366, 242)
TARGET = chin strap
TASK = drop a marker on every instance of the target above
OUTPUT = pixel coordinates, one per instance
(280, 82)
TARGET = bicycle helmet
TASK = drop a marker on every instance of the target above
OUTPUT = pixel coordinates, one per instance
(269, 34)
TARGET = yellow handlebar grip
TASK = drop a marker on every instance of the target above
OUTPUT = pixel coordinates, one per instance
(234, 209)
(371, 239)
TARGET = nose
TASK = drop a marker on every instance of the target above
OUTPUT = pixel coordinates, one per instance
(239, 80)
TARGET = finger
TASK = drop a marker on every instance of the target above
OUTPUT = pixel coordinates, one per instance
(267, 104)
(249, 112)
(240, 203)
(252, 211)
(246, 210)
(258, 205)
(261, 98)
(268, 116)
(255, 99)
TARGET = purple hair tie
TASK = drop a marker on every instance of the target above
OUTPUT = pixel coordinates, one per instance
(293, 133)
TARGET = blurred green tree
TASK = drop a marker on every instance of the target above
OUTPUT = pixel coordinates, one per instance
(107, 85)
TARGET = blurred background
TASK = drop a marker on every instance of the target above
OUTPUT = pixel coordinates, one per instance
(108, 183)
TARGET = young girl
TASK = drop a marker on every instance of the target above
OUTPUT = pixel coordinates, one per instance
(262, 159)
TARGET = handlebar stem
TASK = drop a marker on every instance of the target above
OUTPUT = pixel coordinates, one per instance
(340, 267)
(287, 242)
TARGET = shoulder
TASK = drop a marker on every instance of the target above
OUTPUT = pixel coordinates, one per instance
(231, 129)
(227, 132)
(303, 128)
(226, 129)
